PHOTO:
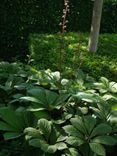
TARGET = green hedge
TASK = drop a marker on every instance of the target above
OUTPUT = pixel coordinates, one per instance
(19, 18)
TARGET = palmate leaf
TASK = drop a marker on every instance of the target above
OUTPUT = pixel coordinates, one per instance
(106, 140)
(10, 117)
(14, 122)
(43, 95)
(98, 149)
(6, 127)
(45, 98)
(101, 129)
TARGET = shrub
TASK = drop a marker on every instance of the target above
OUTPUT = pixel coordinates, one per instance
(59, 116)
(45, 49)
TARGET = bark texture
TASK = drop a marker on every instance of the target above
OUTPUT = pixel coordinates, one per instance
(95, 26)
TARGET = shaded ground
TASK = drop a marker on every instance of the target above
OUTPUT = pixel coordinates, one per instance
(45, 52)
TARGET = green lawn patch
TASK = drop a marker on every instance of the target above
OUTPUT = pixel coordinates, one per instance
(45, 52)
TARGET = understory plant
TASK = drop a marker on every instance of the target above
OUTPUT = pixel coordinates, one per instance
(51, 113)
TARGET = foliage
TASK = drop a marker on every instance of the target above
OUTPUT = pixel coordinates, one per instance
(45, 137)
(52, 113)
(20, 18)
(101, 64)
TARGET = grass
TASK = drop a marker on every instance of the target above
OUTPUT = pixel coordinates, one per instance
(45, 51)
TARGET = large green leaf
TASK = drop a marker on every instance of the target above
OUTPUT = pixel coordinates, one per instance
(33, 132)
(43, 145)
(73, 152)
(42, 114)
(51, 149)
(98, 149)
(61, 146)
(51, 97)
(43, 95)
(37, 143)
(11, 135)
(101, 129)
(14, 121)
(113, 116)
(89, 123)
(74, 141)
(62, 98)
(113, 87)
(78, 124)
(88, 97)
(45, 127)
(44, 98)
(71, 130)
(10, 117)
(107, 140)
(6, 127)
(31, 99)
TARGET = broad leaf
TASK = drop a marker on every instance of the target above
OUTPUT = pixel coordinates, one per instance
(37, 143)
(88, 97)
(45, 127)
(78, 124)
(43, 145)
(33, 132)
(101, 129)
(31, 99)
(107, 140)
(6, 127)
(89, 123)
(51, 149)
(69, 129)
(10, 117)
(74, 141)
(11, 135)
(61, 146)
(73, 152)
(98, 149)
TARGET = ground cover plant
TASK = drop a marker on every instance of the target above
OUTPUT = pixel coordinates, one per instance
(63, 101)
(50, 113)
(45, 48)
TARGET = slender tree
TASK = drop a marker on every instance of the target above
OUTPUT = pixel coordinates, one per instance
(95, 26)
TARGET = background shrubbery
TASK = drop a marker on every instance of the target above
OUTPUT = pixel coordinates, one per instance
(22, 17)
(45, 50)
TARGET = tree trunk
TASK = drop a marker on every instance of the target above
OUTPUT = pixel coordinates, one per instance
(95, 26)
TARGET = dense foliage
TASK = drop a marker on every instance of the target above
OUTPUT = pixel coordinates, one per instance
(20, 18)
(45, 50)
(50, 113)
